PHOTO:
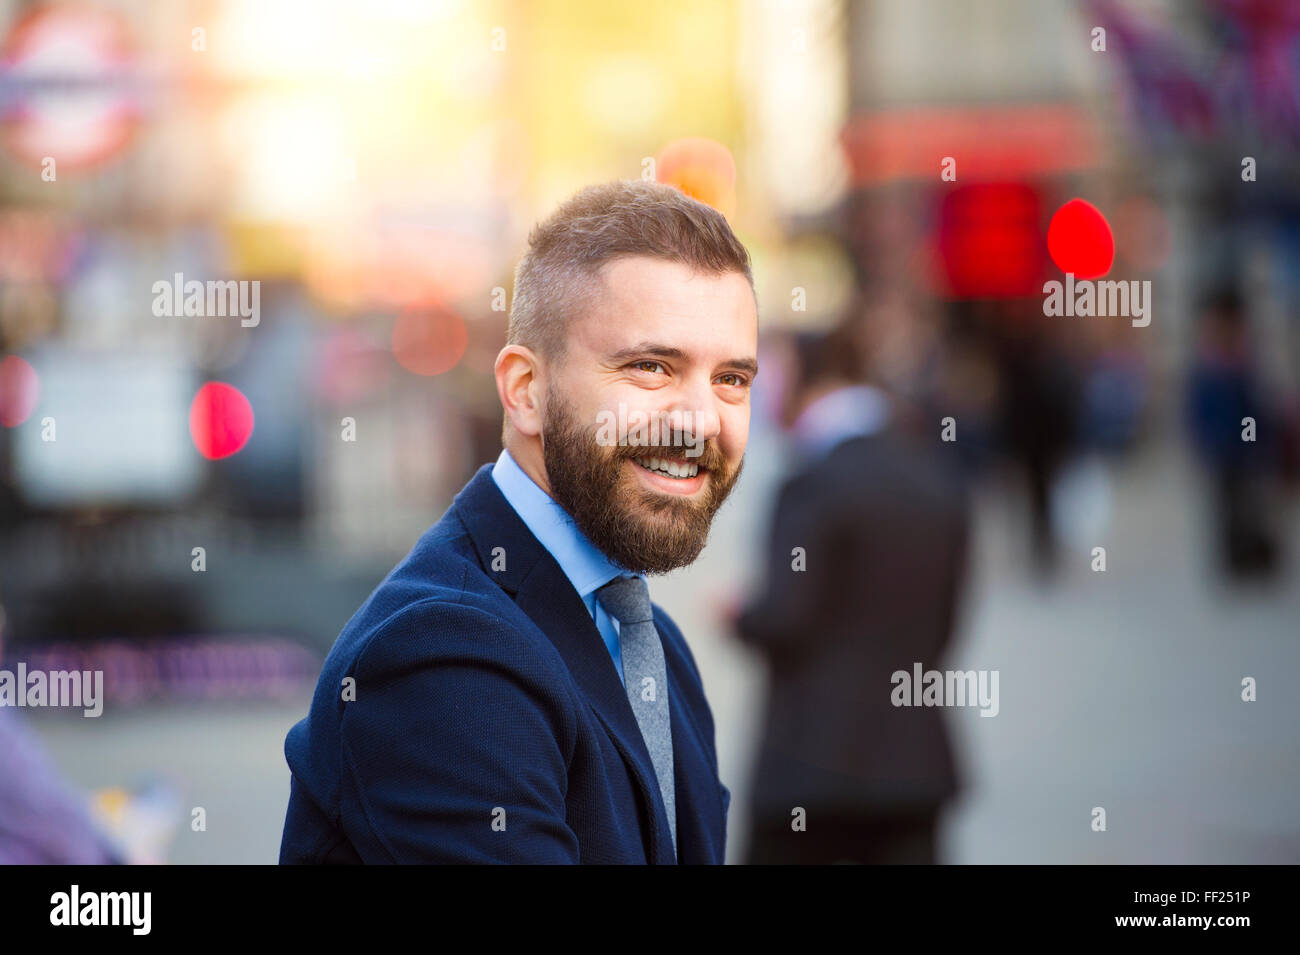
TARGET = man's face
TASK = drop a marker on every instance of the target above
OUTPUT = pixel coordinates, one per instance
(657, 373)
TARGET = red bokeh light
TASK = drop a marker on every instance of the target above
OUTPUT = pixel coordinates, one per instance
(703, 169)
(1080, 241)
(20, 387)
(221, 420)
(429, 338)
(990, 241)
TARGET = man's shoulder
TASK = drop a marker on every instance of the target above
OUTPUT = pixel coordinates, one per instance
(892, 465)
(440, 603)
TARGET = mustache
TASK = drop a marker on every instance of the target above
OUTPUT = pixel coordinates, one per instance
(710, 458)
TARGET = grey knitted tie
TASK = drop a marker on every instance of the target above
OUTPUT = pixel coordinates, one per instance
(646, 677)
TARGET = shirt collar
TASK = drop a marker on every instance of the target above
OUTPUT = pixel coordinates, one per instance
(583, 562)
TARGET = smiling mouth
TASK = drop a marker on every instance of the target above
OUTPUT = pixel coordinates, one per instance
(670, 467)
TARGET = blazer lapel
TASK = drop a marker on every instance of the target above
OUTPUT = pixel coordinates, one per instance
(540, 589)
(699, 802)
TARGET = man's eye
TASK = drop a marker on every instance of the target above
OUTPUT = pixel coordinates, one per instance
(737, 380)
(641, 365)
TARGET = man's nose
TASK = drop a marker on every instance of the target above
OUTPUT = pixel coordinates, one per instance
(694, 411)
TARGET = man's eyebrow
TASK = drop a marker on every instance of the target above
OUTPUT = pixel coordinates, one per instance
(656, 350)
(749, 365)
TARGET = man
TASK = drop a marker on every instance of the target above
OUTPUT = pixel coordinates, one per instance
(1225, 391)
(509, 693)
(882, 530)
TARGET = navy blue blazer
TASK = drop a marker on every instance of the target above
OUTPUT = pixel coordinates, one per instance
(489, 723)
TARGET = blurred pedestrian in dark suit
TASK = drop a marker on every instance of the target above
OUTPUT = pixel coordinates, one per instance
(1041, 394)
(1233, 428)
(882, 524)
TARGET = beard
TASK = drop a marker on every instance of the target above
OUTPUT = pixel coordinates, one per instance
(643, 531)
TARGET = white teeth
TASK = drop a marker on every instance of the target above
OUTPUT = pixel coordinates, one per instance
(671, 468)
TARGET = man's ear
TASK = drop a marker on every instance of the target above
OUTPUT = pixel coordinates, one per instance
(519, 386)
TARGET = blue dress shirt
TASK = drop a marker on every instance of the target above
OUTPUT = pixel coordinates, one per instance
(583, 563)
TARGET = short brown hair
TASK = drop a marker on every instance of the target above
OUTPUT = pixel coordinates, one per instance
(557, 277)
